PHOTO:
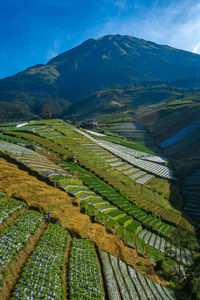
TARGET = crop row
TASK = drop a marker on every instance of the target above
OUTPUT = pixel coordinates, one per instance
(123, 203)
(113, 161)
(136, 153)
(33, 160)
(84, 271)
(44, 166)
(7, 147)
(147, 243)
(128, 170)
(50, 145)
(42, 276)
(157, 159)
(14, 238)
(123, 282)
(127, 150)
(151, 167)
(129, 208)
(191, 194)
(94, 163)
(9, 207)
(105, 213)
(95, 133)
(9, 138)
(152, 243)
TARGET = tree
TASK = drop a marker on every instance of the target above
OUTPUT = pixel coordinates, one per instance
(189, 288)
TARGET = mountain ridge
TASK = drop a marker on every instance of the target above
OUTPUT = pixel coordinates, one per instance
(109, 62)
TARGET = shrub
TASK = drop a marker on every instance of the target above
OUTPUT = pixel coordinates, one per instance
(110, 225)
(140, 245)
(129, 238)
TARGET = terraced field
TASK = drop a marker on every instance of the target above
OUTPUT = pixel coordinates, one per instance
(37, 256)
(123, 282)
(37, 194)
(134, 131)
(98, 162)
(103, 242)
(191, 193)
(120, 151)
(175, 128)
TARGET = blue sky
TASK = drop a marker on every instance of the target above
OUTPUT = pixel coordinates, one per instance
(33, 31)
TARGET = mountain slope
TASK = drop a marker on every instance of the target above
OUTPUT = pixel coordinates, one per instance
(113, 61)
(175, 127)
(109, 62)
(123, 99)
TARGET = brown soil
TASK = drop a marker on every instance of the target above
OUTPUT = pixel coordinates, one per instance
(66, 269)
(39, 194)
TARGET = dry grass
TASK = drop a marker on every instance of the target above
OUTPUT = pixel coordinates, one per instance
(20, 184)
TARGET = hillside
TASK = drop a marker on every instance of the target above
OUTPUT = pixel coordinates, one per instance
(130, 98)
(114, 61)
(175, 127)
(117, 229)
(109, 62)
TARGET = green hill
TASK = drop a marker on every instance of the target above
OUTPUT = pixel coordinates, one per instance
(113, 101)
(107, 63)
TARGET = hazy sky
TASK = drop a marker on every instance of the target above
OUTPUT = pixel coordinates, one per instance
(33, 31)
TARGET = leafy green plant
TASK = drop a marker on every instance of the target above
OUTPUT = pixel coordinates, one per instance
(42, 276)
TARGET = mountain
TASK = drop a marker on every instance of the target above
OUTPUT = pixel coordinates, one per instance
(123, 99)
(114, 61)
(109, 62)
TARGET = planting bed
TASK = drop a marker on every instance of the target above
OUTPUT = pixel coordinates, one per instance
(154, 241)
(151, 167)
(42, 276)
(8, 208)
(191, 192)
(84, 271)
(123, 282)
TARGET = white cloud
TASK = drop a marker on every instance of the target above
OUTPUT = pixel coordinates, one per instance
(121, 4)
(54, 50)
(197, 48)
(177, 24)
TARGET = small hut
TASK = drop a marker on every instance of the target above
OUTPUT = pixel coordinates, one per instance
(89, 124)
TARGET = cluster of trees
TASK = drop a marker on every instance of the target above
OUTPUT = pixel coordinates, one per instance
(186, 287)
